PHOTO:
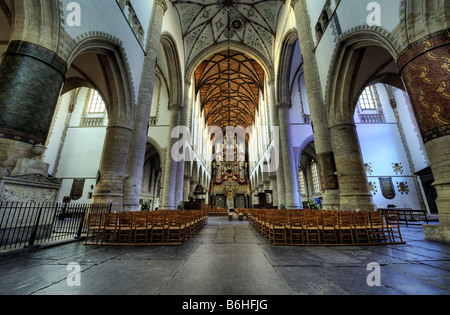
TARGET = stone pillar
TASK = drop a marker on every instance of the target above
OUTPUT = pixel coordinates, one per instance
(138, 144)
(109, 188)
(187, 187)
(424, 67)
(293, 199)
(354, 188)
(31, 79)
(274, 186)
(193, 185)
(269, 197)
(281, 197)
(170, 169)
(322, 142)
(183, 122)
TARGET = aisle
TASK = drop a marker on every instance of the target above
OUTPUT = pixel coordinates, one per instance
(229, 261)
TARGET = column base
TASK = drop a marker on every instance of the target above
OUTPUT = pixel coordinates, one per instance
(437, 233)
(131, 207)
(116, 200)
(11, 151)
(356, 202)
(331, 200)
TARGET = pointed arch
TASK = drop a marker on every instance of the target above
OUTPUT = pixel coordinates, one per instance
(284, 67)
(169, 46)
(113, 81)
(359, 59)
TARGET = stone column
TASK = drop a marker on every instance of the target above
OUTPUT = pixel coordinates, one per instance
(322, 142)
(31, 78)
(109, 188)
(183, 122)
(193, 185)
(425, 68)
(269, 197)
(279, 174)
(170, 169)
(138, 144)
(187, 187)
(293, 199)
(274, 186)
(354, 188)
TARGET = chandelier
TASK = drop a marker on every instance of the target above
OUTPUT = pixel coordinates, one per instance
(230, 189)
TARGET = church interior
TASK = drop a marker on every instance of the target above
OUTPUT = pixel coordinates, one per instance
(227, 107)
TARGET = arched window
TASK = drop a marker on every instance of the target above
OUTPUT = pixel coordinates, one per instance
(367, 101)
(96, 106)
(301, 180)
(315, 176)
(94, 112)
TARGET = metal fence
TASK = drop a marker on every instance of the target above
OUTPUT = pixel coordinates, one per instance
(27, 224)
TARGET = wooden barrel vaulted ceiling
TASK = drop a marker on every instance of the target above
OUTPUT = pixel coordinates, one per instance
(229, 92)
(229, 84)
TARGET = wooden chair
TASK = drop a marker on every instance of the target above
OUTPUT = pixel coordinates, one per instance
(346, 226)
(328, 227)
(175, 229)
(94, 228)
(377, 230)
(296, 229)
(189, 224)
(312, 228)
(125, 227)
(159, 228)
(362, 227)
(141, 227)
(393, 226)
(110, 228)
(277, 229)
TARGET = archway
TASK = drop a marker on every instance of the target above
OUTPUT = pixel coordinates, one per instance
(359, 60)
(152, 176)
(100, 63)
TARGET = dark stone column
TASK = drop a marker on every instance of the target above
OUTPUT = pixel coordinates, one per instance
(31, 79)
(425, 69)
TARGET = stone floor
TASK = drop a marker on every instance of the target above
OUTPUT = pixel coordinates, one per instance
(230, 258)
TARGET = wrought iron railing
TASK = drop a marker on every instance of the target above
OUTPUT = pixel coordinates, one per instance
(27, 224)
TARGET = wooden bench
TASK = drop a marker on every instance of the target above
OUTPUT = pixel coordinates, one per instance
(409, 215)
(241, 213)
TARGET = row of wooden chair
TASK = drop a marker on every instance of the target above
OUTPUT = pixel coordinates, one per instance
(144, 228)
(217, 212)
(321, 227)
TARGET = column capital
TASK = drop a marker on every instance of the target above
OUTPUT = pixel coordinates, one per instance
(176, 107)
(187, 81)
(162, 4)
